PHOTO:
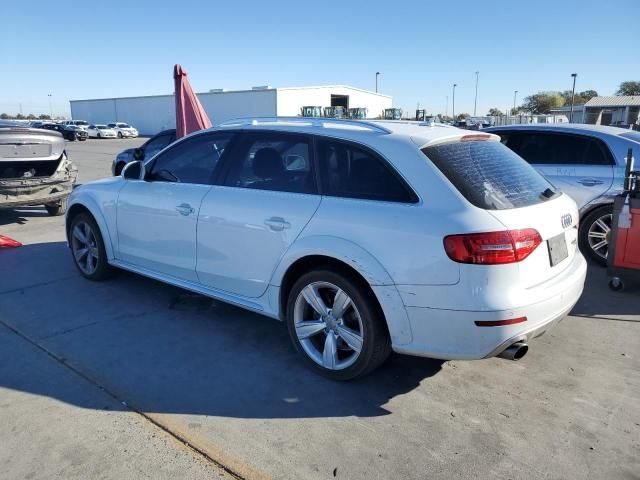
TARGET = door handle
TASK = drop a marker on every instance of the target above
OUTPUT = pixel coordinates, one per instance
(184, 209)
(590, 182)
(277, 224)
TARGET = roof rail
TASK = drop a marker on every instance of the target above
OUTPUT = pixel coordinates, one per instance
(308, 121)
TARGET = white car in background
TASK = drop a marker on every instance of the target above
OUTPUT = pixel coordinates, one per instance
(101, 131)
(77, 123)
(364, 237)
(123, 130)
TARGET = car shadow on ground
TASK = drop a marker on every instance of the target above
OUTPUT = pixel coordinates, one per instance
(598, 301)
(162, 349)
(20, 216)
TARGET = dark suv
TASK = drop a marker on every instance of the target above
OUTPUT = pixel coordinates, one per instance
(147, 150)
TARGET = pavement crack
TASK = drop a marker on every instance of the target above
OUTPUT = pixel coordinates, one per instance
(126, 404)
(35, 285)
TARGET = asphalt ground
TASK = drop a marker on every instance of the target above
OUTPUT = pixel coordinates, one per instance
(131, 378)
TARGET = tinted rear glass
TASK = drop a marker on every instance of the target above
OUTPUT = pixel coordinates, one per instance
(635, 136)
(489, 175)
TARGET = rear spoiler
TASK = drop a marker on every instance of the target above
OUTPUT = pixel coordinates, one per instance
(29, 131)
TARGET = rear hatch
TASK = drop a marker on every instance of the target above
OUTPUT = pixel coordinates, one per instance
(541, 220)
(27, 152)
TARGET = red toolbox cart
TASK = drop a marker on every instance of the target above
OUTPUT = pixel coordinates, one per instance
(623, 261)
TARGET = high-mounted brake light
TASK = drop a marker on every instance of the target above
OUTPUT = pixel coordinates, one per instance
(475, 137)
(492, 248)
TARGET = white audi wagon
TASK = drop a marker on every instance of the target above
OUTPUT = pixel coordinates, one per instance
(364, 237)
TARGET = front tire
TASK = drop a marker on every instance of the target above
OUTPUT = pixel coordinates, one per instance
(336, 324)
(119, 134)
(595, 234)
(87, 248)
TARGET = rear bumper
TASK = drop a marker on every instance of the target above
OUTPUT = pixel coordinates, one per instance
(452, 334)
(37, 191)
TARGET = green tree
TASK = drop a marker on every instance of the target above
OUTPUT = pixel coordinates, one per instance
(19, 116)
(580, 98)
(542, 102)
(463, 116)
(44, 117)
(495, 112)
(629, 88)
(31, 116)
(5, 116)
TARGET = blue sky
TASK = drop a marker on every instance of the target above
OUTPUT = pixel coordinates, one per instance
(74, 50)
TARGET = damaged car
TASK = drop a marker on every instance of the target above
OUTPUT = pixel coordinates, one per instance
(34, 169)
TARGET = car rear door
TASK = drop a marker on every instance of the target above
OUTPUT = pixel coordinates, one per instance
(267, 195)
(579, 165)
(157, 217)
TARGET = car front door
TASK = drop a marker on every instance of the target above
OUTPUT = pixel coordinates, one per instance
(157, 216)
(579, 165)
(268, 193)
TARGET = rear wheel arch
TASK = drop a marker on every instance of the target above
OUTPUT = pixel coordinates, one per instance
(319, 262)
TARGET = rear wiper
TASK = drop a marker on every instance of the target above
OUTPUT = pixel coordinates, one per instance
(548, 193)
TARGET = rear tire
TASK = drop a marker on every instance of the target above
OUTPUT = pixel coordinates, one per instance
(57, 209)
(595, 228)
(359, 340)
(87, 248)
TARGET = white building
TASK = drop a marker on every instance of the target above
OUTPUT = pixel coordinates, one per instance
(152, 114)
(618, 110)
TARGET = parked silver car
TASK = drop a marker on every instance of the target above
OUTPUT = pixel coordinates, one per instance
(34, 169)
(585, 161)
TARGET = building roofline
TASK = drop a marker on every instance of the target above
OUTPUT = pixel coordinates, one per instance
(272, 89)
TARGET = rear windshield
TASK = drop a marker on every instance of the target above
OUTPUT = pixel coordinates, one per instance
(489, 175)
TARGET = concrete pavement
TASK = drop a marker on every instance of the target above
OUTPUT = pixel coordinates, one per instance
(229, 383)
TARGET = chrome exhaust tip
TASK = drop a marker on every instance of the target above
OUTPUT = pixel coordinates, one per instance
(515, 352)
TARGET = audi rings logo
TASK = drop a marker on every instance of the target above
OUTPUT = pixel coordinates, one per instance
(567, 220)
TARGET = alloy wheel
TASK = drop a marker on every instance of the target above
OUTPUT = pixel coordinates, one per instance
(85, 247)
(328, 325)
(599, 235)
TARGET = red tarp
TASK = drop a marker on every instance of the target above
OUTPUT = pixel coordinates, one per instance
(190, 116)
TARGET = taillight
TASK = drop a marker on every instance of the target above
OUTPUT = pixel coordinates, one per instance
(492, 248)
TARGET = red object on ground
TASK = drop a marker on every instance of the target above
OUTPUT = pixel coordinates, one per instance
(627, 242)
(190, 116)
(6, 242)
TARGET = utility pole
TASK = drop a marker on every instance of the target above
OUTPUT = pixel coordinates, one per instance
(515, 94)
(377, 73)
(50, 108)
(573, 96)
(475, 102)
(446, 107)
(453, 102)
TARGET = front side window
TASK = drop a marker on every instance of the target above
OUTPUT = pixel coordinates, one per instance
(272, 161)
(156, 144)
(191, 161)
(351, 171)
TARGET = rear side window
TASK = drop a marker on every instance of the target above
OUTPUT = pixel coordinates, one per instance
(545, 148)
(347, 170)
(489, 175)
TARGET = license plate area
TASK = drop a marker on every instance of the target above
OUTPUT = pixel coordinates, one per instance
(557, 249)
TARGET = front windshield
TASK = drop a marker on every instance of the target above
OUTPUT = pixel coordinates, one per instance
(81, 122)
(102, 127)
(123, 125)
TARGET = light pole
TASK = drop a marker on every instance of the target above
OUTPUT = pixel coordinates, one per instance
(50, 108)
(377, 73)
(446, 107)
(515, 94)
(453, 102)
(573, 95)
(475, 102)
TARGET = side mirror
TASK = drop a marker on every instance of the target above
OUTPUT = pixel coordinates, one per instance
(138, 154)
(133, 171)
